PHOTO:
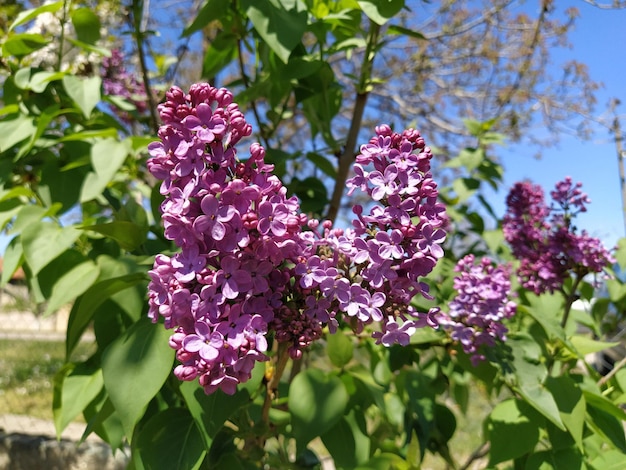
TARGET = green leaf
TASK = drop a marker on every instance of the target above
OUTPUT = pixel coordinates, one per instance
(340, 349)
(170, 439)
(571, 404)
(12, 259)
(86, 24)
(617, 290)
(316, 402)
(547, 310)
(609, 460)
(465, 187)
(585, 345)
(323, 164)
(509, 418)
(107, 156)
(15, 130)
(540, 398)
(312, 193)
(221, 51)
(608, 426)
(210, 412)
(281, 24)
(44, 241)
(84, 91)
(211, 10)
(20, 45)
(135, 367)
(75, 386)
(128, 234)
(381, 11)
(27, 15)
(70, 284)
(348, 441)
(83, 310)
(395, 29)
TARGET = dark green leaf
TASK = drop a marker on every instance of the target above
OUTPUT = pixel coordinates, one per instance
(127, 234)
(170, 439)
(348, 441)
(210, 412)
(84, 309)
(608, 426)
(317, 401)
(312, 194)
(281, 24)
(135, 367)
(323, 164)
(86, 24)
(395, 29)
(571, 403)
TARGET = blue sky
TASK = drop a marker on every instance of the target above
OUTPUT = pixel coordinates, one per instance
(598, 40)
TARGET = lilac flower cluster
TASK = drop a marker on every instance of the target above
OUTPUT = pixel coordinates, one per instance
(482, 302)
(117, 81)
(544, 240)
(251, 264)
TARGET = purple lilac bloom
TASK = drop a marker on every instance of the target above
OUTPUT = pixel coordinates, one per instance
(544, 240)
(482, 303)
(251, 263)
(117, 81)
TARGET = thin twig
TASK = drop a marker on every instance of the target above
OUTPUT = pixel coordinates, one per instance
(477, 454)
(613, 371)
(282, 357)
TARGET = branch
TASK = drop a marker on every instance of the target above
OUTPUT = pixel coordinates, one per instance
(616, 4)
(362, 92)
(138, 22)
(477, 454)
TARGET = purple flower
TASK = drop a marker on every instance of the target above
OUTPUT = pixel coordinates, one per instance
(232, 278)
(273, 218)
(384, 183)
(206, 125)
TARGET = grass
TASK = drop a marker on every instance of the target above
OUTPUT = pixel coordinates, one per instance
(28, 369)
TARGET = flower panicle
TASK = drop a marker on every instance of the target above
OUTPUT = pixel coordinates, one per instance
(252, 264)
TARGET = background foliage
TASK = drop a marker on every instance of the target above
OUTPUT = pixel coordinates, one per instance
(83, 215)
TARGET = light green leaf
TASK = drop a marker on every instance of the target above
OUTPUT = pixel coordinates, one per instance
(170, 440)
(107, 156)
(74, 388)
(44, 241)
(546, 310)
(71, 284)
(12, 259)
(620, 253)
(20, 45)
(84, 91)
(317, 402)
(86, 24)
(381, 11)
(586, 345)
(27, 15)
(281, 24)
(135, 367)
(15, 130)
